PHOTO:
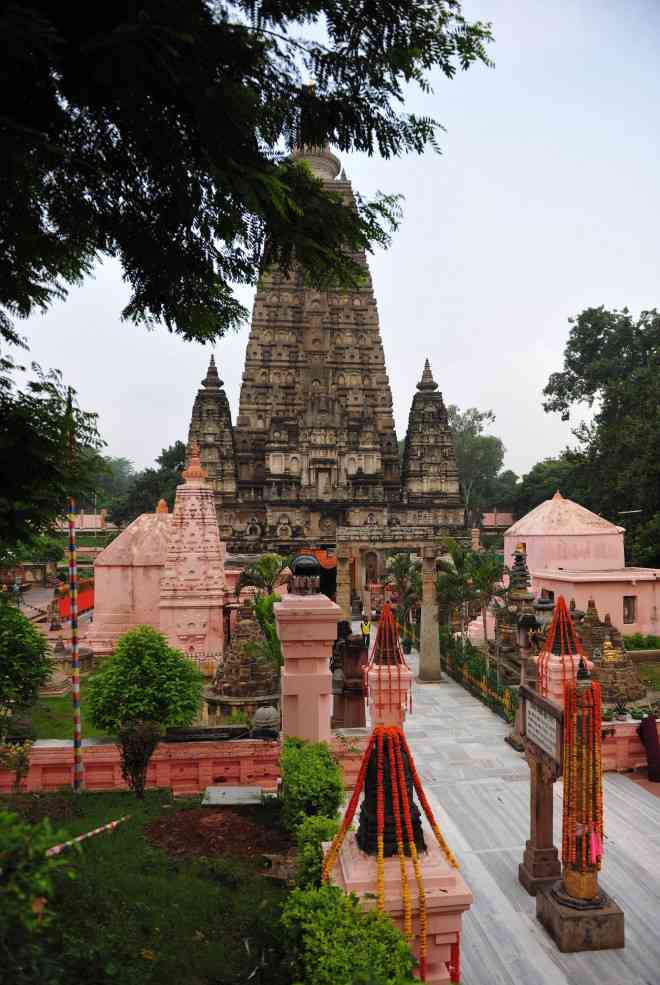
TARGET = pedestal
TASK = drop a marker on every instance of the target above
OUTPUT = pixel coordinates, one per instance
(307, 628)
(577, 925)
(447, 898)
(540, 866)
(429, 639)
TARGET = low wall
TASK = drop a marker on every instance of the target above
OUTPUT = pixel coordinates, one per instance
(622, 747)
(184, 767)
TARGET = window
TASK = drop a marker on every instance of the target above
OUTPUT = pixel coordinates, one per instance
(629, 608)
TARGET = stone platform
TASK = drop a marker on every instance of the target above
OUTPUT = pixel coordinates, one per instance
(478, 787)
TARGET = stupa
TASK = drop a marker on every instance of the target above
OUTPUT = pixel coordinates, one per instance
(166, 570)
(245, 680)
(313, 449)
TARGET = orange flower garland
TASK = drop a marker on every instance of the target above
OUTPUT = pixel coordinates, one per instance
(380, 819)
(396, 809)
(421, 895)
(582, 820)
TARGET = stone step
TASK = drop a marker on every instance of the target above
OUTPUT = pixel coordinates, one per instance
(226, 796)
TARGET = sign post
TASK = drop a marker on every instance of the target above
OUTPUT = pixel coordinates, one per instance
(542, 733)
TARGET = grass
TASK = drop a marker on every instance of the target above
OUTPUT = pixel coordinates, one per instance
(650, 674)
(133, 916)
(52, 718)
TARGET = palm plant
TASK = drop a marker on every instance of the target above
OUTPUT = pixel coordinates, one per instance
(487, 571)
(454, 582)
(264, 574)
(405, 575)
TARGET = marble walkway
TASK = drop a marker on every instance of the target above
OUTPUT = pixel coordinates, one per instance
(479, 789)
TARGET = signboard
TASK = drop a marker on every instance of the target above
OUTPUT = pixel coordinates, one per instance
(541, 728)
(542, 723)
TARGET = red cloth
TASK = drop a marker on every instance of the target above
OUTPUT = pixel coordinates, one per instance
(648, 733)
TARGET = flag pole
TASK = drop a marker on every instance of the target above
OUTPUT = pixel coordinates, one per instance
(73, 603)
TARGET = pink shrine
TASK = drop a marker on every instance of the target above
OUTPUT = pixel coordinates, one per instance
(167, 571)
(580, 555)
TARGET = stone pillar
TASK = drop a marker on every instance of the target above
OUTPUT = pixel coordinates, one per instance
(540, 865)
(307, 628)
(344, 584)
(429, 640)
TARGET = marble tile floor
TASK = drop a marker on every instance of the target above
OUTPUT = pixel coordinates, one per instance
(478, 787)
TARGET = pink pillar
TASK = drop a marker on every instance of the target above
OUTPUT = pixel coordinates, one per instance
(307, 628)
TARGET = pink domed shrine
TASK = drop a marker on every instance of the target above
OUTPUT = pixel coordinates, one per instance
(576, 553)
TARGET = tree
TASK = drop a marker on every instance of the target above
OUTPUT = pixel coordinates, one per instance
(146, 488)
(479, 456)
(24, 662)
(263, 574)
(502, 490)
(453, 585)
(113, 481)
(406, 577)
(38, 472)
(611, 365)
(27, 888)
(563, 473)
(143, 688)
(486, 572)
(174, 164)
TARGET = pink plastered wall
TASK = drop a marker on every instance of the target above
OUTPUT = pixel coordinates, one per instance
(183, 767)
(608, 596)
(580, 552)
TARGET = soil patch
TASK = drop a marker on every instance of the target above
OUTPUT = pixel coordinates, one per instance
(248, 832)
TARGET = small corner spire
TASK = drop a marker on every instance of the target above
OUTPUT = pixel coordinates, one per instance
(427, 382)
(557, 495)
(212, 379)
(194, 470)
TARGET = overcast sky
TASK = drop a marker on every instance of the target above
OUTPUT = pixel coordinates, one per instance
(545, 201)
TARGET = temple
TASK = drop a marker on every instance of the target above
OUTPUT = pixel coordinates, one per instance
(313, 449)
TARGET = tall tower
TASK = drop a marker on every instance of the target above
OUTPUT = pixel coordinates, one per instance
(314, 447)
(211, 428)
(430, 476)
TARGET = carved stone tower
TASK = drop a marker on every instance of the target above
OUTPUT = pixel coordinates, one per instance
(314, 448)
(429, 461)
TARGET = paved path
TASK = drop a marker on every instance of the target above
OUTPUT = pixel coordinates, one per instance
(479, 789)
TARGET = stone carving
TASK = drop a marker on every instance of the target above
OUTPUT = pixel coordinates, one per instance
(331, 424)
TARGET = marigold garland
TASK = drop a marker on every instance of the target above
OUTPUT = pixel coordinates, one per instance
(582, 820)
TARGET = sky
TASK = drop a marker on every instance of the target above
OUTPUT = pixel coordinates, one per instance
(545, 201)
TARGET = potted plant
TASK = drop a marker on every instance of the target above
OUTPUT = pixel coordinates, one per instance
(620, 710)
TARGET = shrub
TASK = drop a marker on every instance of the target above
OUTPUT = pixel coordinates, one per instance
(638, 641)
(334, 942)
(311, 781)
(24, 661)
(26, 886)
(310, 834)
(143, 688)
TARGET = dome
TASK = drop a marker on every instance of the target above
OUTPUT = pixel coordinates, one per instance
(562, 517)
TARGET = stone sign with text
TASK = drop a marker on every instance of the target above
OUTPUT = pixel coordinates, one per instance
(542, 723)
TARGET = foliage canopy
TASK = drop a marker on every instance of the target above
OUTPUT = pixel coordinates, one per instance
(144, 680)
(152, 132)
(311, 781)
(24, 660)
(612, 364)
(335, 942)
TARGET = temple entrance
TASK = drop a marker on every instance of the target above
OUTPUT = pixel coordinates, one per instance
(329, 582)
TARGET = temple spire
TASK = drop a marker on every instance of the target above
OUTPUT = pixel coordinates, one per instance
(212, 379)
(194, 471)
(427, 382)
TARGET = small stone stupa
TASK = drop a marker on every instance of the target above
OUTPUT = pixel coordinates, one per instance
(244, 681)
(613, 667)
